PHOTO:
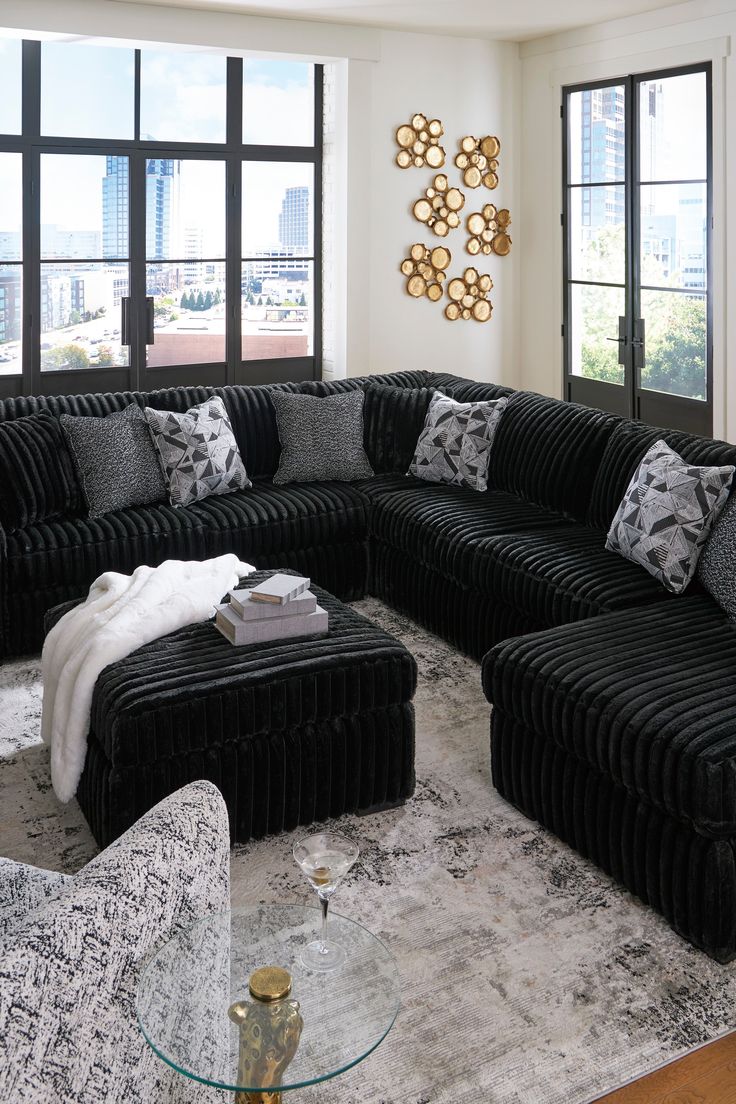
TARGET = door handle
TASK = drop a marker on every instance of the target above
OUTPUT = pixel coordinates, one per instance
(125, 320)
(620, 340)
(150, 335)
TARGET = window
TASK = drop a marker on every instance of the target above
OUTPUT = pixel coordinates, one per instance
(637, 226)
(160, 218)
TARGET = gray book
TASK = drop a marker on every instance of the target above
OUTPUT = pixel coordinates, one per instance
(248, 610)
(279, 589)
(241, 632)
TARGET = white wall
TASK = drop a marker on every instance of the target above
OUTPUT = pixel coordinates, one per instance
(380, 79)
(687, 33)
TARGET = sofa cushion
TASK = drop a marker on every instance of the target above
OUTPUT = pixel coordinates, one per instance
(555, 575)
(646, 696)
(434, 523)
(456, 442)
(547, 451)
(268, 519)
(37, 475)
(465, 390)
(321, 438)
(716, 565)
(393, 418)
(624, 452)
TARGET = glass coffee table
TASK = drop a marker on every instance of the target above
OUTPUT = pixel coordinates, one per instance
(208, 1008)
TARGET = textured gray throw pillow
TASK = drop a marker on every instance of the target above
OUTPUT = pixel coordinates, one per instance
(198, 451)
(320, 438)
(667, 514)
(115, 459)
(717, 564)
(455, 445)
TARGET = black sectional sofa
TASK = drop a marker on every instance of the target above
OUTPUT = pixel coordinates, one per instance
(614, 719)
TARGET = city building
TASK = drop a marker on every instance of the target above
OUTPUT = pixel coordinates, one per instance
(294, 220)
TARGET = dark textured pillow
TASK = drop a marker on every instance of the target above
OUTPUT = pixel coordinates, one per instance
(717, 563)
(455, 444)
(393, 418)
(37, 476)
(666, 515)
(116, 461)
(198, 451)
(320, 438)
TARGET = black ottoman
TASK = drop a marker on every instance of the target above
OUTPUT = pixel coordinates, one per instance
(291, 732)
(617, 733)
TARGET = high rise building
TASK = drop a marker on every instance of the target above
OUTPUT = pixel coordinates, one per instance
(115, 207)
(294, 220)
(163, 176)
(603, 155)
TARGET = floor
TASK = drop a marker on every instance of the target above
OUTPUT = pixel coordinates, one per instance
(706, 1077)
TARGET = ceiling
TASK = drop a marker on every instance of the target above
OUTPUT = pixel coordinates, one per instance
(499, 19)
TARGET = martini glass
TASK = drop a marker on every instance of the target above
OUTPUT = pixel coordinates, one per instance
(325, 858)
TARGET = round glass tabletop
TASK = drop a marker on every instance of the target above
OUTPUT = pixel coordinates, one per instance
(195, 1010)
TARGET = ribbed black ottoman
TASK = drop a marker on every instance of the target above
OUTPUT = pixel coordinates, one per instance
(291, 732)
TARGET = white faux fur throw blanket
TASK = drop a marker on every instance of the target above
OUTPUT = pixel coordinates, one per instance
(120, 614)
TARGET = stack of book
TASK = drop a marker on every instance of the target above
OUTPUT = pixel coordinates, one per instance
(277, 609)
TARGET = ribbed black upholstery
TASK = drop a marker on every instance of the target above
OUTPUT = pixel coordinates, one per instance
(37, 475)
(468, 390)
(626, 447)
(393, 418)
(645, 696)
(290, 732)
(548, 452)
(687, 877)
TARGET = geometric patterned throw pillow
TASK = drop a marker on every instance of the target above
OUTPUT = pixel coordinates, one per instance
(455, 445)
(667, 514)
(198, 451)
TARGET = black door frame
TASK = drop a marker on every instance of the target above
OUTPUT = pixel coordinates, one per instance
(137, 375)
(631, 400)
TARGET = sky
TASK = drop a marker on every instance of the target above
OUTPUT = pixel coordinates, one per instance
(87, 91)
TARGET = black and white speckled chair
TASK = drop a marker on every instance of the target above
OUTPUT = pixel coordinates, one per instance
(71, 949)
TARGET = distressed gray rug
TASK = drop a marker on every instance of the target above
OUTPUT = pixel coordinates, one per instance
(529, 977)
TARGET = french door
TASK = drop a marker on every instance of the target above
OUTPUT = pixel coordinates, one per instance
(637, 224)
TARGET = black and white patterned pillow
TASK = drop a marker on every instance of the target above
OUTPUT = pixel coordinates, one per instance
(198, 451)
(116, 461)
(320, 438)
(455, 445)
(667, 513)
(717, 564)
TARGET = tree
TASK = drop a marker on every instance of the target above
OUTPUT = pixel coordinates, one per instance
(65, 356)
(218, 297)
(199, 302)
(302, 300)
(105, 356)
(208, 300)
(184, 303)
(260, 300)
(74, 317)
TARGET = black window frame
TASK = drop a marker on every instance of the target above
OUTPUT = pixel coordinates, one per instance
(31, 144)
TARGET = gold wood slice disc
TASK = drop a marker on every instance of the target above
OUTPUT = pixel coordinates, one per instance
(455, 199)
(468, 300)
(416, 286)
(422, 210)
(470, 275)
(443, 212)
(482, 163)
(487, 235)
(456, 289)
(423, 136)
(468, 144)
(417, 252)
(452, 311)
(418, 161)
(453, 220)
(424, 269)
(501, 245)
(485, 283)
(476, 224)
(503, 218)
(493, 164)
(407, 267)
(472, 176)
(487, 248)
(419, 122)
(440, 257)
(490, 146)
(466, 313)
(435, 157)
(489, 212)
(473, 246)
(440, 276)
(490, 180)
(440, 182)
(419, 147)
(434, 292)
(437, 202)
(481, 310)
(462, 160)
(435, 128)
(403, 159)
(406, 136)
(441, 228)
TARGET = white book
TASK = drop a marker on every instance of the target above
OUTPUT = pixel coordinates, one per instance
(241, 632)
(248, 610)
(279, 589)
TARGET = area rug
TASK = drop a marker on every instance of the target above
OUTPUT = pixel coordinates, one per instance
(528, 976)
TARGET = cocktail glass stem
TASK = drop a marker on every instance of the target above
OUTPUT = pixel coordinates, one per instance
(325, 902)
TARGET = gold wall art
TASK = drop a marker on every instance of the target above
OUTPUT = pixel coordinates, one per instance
(478, 160)
(468, 296)
(488, 231)
(419, 143)
(439, 206)
(424, 269)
